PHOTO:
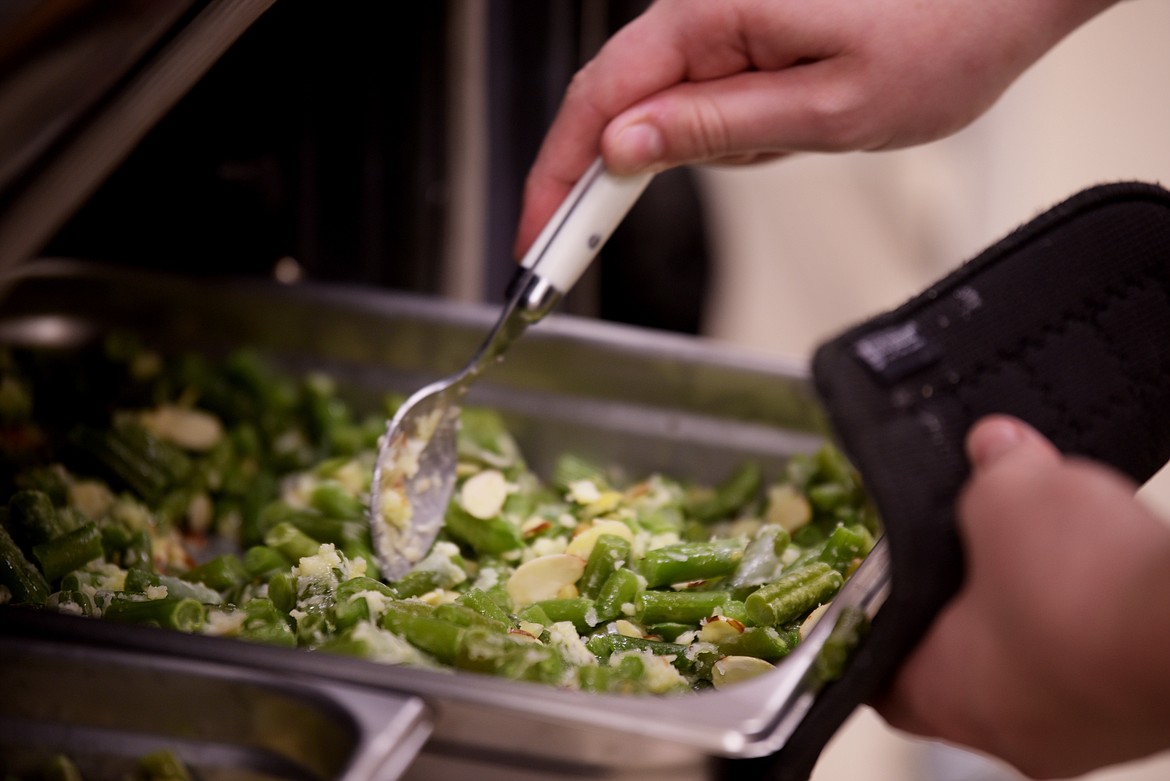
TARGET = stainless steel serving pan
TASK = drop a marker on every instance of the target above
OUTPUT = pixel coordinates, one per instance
(643, 399)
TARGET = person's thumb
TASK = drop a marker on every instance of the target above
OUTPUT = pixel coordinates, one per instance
(1000, 436)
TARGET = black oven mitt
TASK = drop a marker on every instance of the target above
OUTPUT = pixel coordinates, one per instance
(1065, 323)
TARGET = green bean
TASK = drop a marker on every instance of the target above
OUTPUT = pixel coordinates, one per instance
(669, 632)
(162, 765)
(466, 616)
(509, 656)
(262, 562)
(764, 642)
(691, 561)
(793, 595)
(489, 537)
(845, 546)
(184, 614)
(49, 479)
(620, 589)
(282, 590)
(686, 607)
(129, 548)
(582, 611)
(834, 655)
(137, 581)
(68, 552)
(74, 600)
(222, 573)
(730, 496)
(291, 541)
(264, 622)
(26, 583)
(610, 552)
(135, 457)
(625, 678)
(315, 525)
(416, 583)
(535, 614)
(441, 639)
(481, 602)
(332, 500)
(33, 520)
(351, 606)
(610, 643)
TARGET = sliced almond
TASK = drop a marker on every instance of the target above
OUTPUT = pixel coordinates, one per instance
(483, 494)
(734, 669)
(534, 526)
(568, 591)
(191, 429)
(811, 620)
(716, 630)
(543, 578)
(582, 544)
(530, 628)
(788, 508)
(627, 628)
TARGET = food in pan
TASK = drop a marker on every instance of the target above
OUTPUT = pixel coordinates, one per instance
(160, 765)
(222, 497)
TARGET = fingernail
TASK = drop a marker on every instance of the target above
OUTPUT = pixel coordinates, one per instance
(637, 147)
(992, 439)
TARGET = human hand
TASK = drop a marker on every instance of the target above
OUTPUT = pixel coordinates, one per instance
(1053, 654)
(738, 81)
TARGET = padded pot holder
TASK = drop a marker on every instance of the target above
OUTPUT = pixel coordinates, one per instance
(1064, 323)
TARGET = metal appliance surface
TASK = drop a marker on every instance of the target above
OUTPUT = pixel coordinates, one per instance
(649, 401)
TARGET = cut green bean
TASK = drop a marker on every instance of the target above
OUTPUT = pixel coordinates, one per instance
(846, 546)
(489, 537)
(688, 607)
(763, 642)
(729, 497)
(184, 614)
(23, 580)
(582, 611)
(610, 552)
(691, 561)
(291, 541)
(618, 595)
(793, 595)
(221, 573)
(68, 552)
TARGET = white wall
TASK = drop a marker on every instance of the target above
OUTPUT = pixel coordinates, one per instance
(810, 245)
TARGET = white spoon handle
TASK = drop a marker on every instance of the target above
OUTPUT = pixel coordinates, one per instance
(582, 224)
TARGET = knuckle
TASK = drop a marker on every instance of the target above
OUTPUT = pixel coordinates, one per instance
(843, 117)
(706, 134)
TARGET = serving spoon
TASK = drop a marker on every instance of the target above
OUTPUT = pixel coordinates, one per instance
(414, 472)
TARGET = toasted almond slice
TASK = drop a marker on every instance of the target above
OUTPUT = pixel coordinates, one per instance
(534, 526)
(788, 508)
(483, 494)
(811, 620)
(530, 628)
(628, 628)
(716, 630)
(568, 591)
(543, 578)
(191, 429)
(734, 669)
(582, 544)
